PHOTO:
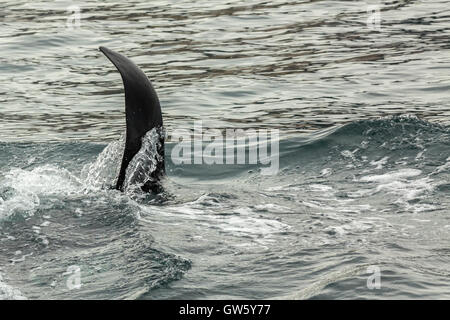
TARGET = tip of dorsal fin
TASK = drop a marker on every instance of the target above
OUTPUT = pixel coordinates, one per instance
(142, 107)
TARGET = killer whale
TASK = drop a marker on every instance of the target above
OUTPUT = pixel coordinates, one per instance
(143, 113)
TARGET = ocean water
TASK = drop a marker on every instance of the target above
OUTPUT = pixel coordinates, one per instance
(359, 208)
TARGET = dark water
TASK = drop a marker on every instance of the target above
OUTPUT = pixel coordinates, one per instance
(364, 174)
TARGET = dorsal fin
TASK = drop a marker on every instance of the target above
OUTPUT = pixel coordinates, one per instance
(143, 111)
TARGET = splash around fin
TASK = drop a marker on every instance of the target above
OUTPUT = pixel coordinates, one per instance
(143, 114)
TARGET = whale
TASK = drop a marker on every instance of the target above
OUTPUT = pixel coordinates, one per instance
(143, 114)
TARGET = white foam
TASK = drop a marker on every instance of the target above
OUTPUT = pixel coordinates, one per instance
(26, 203)
(420, 155)
(248, 225)
(444, 167)
(241, 221)
(320, 187)
(408, 190)
(45, 224)
(105, 169)
(46, 180)
(349, 154)
(379, 164)
(326, 172)
(406, 185)
(26, 187)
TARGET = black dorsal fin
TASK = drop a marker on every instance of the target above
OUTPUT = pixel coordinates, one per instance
(143, 111)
